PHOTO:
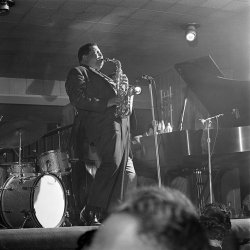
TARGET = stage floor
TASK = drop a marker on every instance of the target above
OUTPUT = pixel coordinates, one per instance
(41, 238)
(65, 238)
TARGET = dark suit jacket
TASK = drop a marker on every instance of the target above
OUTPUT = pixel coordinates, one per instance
(89, 91)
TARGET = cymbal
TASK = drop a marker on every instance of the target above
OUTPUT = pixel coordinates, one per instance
(29, 130)
(59, 129)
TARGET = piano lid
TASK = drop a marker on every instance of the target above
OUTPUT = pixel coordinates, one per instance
(217, 93)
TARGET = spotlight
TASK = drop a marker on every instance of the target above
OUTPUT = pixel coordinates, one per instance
(191, 32)
(4, 8)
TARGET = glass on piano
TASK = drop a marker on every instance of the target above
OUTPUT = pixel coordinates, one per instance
(161, 127)
(169, 128)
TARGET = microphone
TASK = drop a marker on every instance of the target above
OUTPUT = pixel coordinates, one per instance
(137, 90)
(210, 118)
(202, 121)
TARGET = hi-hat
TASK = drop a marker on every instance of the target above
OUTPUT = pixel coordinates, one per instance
(29, 131)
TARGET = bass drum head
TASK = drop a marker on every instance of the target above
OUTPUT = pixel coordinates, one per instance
(49, 201)
(34, 201)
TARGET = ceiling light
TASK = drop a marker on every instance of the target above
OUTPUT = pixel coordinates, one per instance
(4, 8)
(190, 35)
(191, 31)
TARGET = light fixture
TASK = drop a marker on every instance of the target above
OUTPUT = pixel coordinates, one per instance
(5, 6)
(191, 32)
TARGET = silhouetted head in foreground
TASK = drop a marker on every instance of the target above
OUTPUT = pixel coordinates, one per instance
(152, 218)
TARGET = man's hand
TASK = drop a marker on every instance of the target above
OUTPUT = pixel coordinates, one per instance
(117, 100)
(124, 79)
(114, 101)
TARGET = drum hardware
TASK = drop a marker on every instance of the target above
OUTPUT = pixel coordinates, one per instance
(67, 222)
(8, 189)
(29, 188)
(27, 216)
(66, 214)
(23, 179)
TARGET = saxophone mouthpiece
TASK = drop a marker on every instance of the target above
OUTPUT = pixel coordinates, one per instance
(107, 60)
(146, 77)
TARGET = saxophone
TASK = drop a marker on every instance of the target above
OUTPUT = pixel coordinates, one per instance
(125, 91)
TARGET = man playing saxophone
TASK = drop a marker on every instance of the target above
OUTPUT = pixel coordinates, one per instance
(95, 97)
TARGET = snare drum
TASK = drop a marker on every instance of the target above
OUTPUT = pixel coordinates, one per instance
(34, 201)
(54, 161)
(24, 169)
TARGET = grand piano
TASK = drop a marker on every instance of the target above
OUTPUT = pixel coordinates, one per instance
(187, 150)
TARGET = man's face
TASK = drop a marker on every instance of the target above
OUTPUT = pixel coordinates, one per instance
(94, 58)
(119, 232)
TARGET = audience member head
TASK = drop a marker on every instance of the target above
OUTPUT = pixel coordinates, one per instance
(215, 218)
(152, 218)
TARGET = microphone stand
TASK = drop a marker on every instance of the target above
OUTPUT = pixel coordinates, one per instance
(182, 114)
(151, 81)
(208, 123)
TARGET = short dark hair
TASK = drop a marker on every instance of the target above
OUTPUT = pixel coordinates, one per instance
(84, 50)
(215, 218)
(167, 217)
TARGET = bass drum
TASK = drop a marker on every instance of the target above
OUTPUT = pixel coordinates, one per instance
(34, 201)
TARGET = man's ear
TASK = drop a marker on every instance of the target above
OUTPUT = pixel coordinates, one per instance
(83, 60)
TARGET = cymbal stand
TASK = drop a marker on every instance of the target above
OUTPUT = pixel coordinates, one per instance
(151, 82)
(59, 138)
(20, 151)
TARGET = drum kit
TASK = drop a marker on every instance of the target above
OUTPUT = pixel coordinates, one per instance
(32, 196)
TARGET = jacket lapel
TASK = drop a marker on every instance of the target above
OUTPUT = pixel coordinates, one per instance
(108, 79)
